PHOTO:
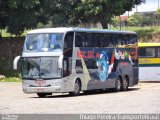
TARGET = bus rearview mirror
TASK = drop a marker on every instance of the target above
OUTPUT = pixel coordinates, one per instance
(15, 62)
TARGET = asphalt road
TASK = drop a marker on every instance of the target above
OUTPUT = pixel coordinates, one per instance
(143, 98)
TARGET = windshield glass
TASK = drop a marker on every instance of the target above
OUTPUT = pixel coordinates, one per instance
(41, 67)
(43, 42)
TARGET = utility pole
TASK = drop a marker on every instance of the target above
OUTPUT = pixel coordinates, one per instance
(136, 8)
(158, 3)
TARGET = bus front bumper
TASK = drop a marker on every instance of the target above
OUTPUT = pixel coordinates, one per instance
(42, 90)
(56, 86)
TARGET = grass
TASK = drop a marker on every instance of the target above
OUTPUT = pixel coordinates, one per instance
(144, 33)
(141, 30)
(11, 79)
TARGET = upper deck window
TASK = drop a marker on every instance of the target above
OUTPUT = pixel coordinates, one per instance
(83, 39)
(146, 52)
(43, 42)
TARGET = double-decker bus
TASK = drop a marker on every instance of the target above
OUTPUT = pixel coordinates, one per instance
(60, 60)
(149, 61)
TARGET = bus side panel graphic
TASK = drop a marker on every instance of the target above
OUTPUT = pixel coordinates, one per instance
(102, 62)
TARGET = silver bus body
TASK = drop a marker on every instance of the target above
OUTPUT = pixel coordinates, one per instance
(56, 71)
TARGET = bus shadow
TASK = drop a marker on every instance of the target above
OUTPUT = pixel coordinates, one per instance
(149, 81)
(90, 93)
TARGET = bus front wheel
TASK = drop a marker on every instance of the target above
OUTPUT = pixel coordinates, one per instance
(77, 88)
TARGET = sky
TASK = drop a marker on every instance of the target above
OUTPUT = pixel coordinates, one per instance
(149, 5)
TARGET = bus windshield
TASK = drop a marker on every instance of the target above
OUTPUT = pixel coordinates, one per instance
(40, 67)
(43, 42)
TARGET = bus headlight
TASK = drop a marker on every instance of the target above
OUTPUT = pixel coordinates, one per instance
(26, 85)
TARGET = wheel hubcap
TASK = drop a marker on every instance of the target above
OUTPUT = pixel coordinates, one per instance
(118, 84)
(125, 84)
(76, 87)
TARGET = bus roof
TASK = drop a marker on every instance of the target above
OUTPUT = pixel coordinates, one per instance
(148, 44)
(64, 29)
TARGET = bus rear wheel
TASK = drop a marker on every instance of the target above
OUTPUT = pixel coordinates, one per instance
(77, 89)
(42, 95)
(125, 84)
(118, 84)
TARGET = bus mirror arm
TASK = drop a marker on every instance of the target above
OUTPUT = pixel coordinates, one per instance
(60, 62)
(15, 62)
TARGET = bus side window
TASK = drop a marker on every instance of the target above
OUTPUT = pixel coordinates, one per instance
(112, 42)
(147, 52)
(100, 40)
(158, 52)
(142, 52)
(79, 67)
(80, 40)
(95, 38)
(89, 40)
(106, 40)
(68, 44)
(84, 40)
(124, 40)
(118, 39)
(150, 52)
(132, 39)
(91, 64)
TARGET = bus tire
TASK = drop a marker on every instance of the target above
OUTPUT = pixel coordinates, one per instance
(125, 83)
(118, 84)
(41, 95)
(77, 88)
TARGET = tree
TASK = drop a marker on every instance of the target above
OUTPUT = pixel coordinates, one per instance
(135, 20)
(18, 15)
(60, 12)
(3, 13)
(157, 14)
(140, 20)
(103, 10)
(115, 21)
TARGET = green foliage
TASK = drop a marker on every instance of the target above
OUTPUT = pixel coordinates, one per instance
(158, 10)
(158, 13)
(18, 15)
(140, 20)
(11, 79)
(144, 33)
(59, 12)
(103, 10)
(115, 21)
(135, 19)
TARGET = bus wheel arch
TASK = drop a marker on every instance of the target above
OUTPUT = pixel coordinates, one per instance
(77, 87)
(125, 83)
